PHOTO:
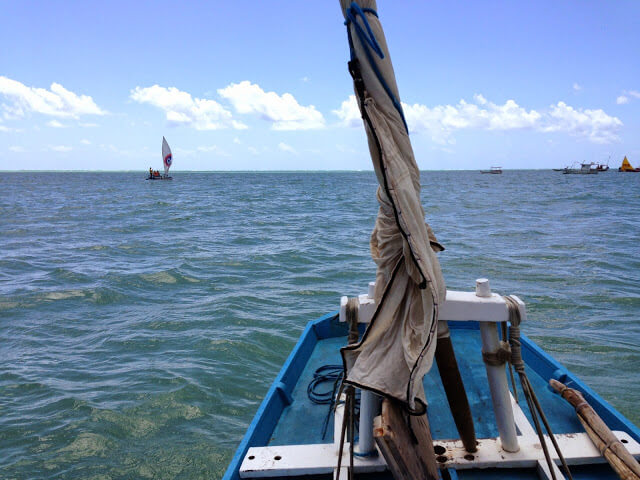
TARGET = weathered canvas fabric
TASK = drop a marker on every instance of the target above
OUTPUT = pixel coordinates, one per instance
(397, 349)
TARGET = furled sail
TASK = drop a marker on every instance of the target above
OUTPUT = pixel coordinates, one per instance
(397, 349)
(167, 158)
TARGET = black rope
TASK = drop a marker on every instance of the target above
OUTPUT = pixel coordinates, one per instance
(317, 390)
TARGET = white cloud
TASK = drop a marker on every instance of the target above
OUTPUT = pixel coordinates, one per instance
(286, 148)
(16, 149)
(236, 140)
(441, 121)
(595, 125)
(253, 150)
(84, 141)
(56, 102)
(349, 113)
(577, 87)
(88, 125)
(624, 97)
(60, 148)
(182, 109)
(283, 111)
(4, 129)
(55, 124)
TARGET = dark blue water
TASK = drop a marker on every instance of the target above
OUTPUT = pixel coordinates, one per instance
(141, 323)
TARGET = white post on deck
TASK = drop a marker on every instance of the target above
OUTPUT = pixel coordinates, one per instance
(497, 377)
(369, 409)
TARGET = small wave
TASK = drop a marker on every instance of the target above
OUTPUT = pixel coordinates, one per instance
(86, 445)
(159, 277)
(63, 295)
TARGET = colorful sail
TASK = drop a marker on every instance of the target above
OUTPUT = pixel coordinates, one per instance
(627, 167)
(166, 156)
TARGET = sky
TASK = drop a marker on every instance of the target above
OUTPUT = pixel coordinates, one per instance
(263, 85)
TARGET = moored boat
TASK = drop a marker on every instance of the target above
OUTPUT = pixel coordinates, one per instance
(167, 161)
(585, 169)
(493, 170)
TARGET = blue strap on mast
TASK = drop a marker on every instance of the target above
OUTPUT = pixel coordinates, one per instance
(370, 43)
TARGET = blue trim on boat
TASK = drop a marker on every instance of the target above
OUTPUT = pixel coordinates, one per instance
(279, 395)
(271, 407)
(549, 367)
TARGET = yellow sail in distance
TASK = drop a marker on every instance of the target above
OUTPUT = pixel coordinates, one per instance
(626, 166)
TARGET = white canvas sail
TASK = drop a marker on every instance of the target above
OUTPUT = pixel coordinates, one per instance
(397, 349)
(167, 158)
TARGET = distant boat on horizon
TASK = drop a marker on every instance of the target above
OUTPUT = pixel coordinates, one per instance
(493, 170)
(585, 169)
(167, 160)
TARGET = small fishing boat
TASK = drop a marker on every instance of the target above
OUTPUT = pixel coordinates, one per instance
(626, 166)
(493, 170)
(358, 395)
(585, 169)
(167, 160)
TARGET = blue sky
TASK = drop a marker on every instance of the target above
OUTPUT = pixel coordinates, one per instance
(260, 85)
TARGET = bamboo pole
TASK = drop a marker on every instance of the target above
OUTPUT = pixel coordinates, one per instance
(602, 437)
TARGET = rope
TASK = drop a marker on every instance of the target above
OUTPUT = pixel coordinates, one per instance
(498, 358)
(349, 418)
(319, 394)
(532, 399)
(503, 328)
(351, 315)
(325, 374)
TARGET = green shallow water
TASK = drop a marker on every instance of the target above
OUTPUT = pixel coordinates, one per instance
(143, 322)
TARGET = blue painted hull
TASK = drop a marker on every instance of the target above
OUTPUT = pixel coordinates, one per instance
(287, 417)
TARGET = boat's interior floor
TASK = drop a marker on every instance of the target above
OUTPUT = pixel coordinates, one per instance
(302, 422)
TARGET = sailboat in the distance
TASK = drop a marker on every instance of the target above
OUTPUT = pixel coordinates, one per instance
(167, 160)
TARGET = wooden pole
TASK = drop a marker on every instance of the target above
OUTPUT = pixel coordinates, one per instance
(603, 438)
(454, 388)
(407, 448)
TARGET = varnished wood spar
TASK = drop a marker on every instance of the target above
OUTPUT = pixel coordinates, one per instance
(456, 394)
(603, 438)
(409, 457)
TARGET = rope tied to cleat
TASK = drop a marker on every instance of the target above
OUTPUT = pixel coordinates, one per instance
(532, 400)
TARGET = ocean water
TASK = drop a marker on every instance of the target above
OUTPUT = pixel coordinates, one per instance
(141, 323)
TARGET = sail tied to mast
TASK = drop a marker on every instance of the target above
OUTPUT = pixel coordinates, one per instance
(397, 349)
